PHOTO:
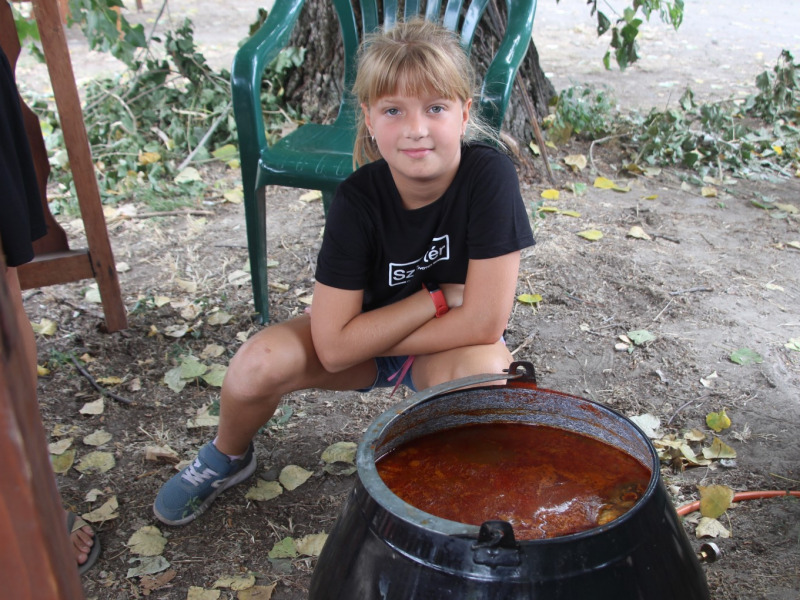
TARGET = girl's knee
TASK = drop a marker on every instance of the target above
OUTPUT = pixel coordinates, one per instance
(266, 364)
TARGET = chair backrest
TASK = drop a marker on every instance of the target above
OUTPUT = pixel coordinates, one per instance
(460, 16)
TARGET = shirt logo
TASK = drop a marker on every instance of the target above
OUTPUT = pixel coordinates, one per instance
(401, 273)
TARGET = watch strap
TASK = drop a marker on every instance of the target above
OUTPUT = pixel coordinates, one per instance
(437, 295)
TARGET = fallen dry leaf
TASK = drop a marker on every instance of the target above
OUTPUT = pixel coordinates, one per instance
(292, 477)
(149, 583)
(263, 491)
(96, 462)
(97, 438)
(708, 527)
(106, 512)
(311, 545)
(161, 453)
(257, 592)
(238, 582)
(60, 446)
(93, 408)
(147, 541)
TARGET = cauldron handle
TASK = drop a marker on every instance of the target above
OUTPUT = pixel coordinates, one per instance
(520, 371)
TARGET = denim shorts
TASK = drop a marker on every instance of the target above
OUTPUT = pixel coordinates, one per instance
(388, 366)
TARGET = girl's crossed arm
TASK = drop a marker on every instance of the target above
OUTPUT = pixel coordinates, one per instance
(344, 336)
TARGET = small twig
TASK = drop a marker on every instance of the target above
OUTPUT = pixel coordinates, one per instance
(666, 237)
(682, 406)
(691, 290)
(537, 132)
(784, 478)
(658, 316)
(525, 343)
(208, 134)
(600, 141)
(96, 385)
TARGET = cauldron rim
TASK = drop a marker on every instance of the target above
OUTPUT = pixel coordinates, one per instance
(415, 517)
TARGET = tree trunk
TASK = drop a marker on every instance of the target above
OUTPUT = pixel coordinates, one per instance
(315, 87)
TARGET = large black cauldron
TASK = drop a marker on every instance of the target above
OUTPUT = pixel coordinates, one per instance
(383, 548)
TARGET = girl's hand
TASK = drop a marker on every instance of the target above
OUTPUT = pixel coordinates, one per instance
(453, 293)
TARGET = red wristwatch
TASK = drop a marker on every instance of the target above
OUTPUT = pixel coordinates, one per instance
(437, 295)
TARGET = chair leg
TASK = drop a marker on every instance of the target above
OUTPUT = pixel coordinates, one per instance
(256, 221)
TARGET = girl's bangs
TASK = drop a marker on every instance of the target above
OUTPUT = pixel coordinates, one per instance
(409, 77)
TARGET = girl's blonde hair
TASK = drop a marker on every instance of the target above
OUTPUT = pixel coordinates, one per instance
(415, 57)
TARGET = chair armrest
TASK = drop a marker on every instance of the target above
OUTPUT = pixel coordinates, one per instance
(499, 79)
(246, 75)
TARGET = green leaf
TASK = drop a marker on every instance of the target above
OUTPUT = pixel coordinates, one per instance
(793, 344)
(603, 23)
(284, 549)
(191, 367)
(714, 500)
(718, 420)
(215, 375)
(745, 356)
(225, 153)
(531, 299)
(173, 379)
(641, 336)
(592, 235)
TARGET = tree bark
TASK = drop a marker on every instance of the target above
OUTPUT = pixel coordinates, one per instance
(314, 88)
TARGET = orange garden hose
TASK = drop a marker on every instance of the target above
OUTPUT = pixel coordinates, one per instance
(693, 506)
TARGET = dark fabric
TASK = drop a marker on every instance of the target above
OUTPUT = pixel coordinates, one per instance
(21, 215)
(372, 242)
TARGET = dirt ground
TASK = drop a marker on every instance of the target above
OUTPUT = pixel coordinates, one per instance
(716, 275)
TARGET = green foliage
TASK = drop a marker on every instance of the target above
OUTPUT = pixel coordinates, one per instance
(757, 134)
(625, 28)
(143, 124)
(583, 111)
(106, 29)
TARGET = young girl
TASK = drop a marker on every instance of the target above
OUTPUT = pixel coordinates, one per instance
(418, 265)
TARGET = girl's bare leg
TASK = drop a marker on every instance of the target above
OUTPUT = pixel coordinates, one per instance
(276, 361)
(433, 369)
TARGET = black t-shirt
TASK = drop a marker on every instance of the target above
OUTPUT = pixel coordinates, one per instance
(372, 243)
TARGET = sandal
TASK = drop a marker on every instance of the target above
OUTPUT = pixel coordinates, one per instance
(74, 522)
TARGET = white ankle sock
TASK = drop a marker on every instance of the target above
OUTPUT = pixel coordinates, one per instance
(231, 456)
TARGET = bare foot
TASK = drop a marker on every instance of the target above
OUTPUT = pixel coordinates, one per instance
(82, 538)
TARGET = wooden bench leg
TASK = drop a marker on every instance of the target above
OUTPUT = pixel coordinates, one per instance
(36, 555)
(76, 141)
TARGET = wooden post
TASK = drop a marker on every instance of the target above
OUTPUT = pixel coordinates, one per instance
(98, 261)
(36, 557)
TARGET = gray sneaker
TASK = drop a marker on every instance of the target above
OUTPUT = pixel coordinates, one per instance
(189, 493)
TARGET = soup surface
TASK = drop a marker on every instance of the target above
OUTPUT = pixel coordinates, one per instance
(545, 481)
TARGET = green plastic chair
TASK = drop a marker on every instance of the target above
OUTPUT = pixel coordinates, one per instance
(317, 156)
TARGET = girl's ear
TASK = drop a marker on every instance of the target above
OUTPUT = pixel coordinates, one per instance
(465, 107)
(367, 121)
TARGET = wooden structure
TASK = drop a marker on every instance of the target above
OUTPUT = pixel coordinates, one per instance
(36, 557)
(54, 261)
